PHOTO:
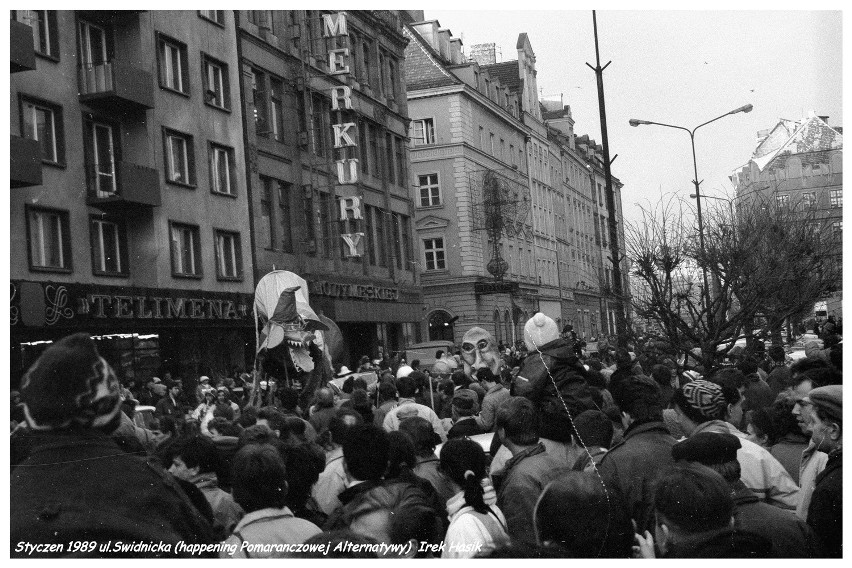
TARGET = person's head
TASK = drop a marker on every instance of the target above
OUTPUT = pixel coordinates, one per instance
(517, 422)
(594, 428)
(690, 499)
(439, 353)
(259, 478)
(341, 422)
(401, 454)
(387, 391)
(760, 427)
(826, 417)
(359, 383)
(638, 397)
(289, 398)
(733, 383)
(465, 403)
(718, 451)
(806, 364)
(603, 528)
(662, 374)
(463, 462)
(69, 387)
(223, 395)
(406, 387)
(257, 434)
(539, 331)
(487, 377)
(460, 379)
(697, 402)
(777, 354)
(192, 457)
(422, 434)
(365, 452)
(209, 396)
(274, 420)
(783, 418)
(303, 469)
(415, 364)
(325, 398)
(248, 417)
(218, 426)
(748, 366)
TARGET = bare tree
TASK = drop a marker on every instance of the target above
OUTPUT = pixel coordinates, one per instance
(765, 264)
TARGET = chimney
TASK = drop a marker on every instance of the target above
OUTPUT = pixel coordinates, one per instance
(444, 43)
(456, 55)
(484, 53)
(428, 30)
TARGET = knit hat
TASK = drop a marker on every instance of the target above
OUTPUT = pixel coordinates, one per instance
(829, 399)
(403, 371)
(706, 398)
(70, 384)
(539, 330)
(708, 448)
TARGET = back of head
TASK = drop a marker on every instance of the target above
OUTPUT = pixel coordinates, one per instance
(823, 376)
(594, 428)
(465, 402)
(731, 381)
(519, 420)
(289, 398)
(748, 366)
(387, 391)
(406, 387)
(463, 461)
(692, 499)
(808, 363)
(486, 375)
(639, 396)
(275, 420)
(701, 401)
(539, 331)
(422, 434)
(662, 374)
(259, 478)
(401, 454)
(460, 379)
(341, 422)
(715, 450)
(605, 530)
(197, 451)
(303, 469)
(365, 449)
(257, 434)
(777, 353)
(325, 398)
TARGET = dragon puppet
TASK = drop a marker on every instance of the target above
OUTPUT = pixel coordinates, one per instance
(294, 344)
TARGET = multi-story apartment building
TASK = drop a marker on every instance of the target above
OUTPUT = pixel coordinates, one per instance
(799, 163)
(138, 230)
(326, 135)
(467, 128)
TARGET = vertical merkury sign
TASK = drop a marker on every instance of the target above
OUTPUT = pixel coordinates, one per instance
(334, 25)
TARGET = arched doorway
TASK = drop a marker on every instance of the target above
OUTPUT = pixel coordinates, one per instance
(440, 326)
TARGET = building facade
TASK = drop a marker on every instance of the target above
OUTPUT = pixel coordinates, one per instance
(138, 232)
(799, 163)
(326, 135)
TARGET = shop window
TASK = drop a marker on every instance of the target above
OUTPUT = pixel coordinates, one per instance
(186, 250)
(434, 254)
(228, 256)
(49, 239)
(42, 121)
(109, 247)
(222, 173)
(174, 71)
(216, 85)
(179, 157)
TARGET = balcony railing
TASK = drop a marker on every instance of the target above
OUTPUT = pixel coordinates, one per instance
(115, 85)
(116, 186)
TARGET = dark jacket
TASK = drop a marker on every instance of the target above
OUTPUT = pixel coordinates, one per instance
(779, 379)
(724, 543)
(465, 427)
(519, 486)
(80, 486)
(544, 377)
(166, 407)
(632, 467)
(790, 536)
(825, 514)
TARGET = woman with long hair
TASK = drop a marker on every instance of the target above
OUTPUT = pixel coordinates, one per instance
(477, 526)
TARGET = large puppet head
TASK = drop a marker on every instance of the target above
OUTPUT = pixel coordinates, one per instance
(480, 350)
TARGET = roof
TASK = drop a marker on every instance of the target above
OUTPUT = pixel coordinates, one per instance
(423, 66)
(507, 73)
(812, 135)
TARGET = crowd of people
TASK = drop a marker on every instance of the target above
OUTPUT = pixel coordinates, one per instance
(493, 452)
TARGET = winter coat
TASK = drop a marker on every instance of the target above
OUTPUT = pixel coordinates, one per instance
(465, 427)
(226, 512)
(331, 482)
(488, 413)
(788, 451)
(472, 533)
(724, 543)
(825, 515)
(790, 536)
(80, 486)
(408, 407)
(632, 467)
(269, 526)
(812, 464)
(427, 468)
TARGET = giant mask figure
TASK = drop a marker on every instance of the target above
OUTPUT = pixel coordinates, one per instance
(480, 350)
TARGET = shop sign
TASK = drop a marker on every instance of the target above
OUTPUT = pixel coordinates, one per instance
(356, 291)
(46, 304)
(481, 288)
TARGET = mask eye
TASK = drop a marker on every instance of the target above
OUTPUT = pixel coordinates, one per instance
(483, 344)
(467, 347)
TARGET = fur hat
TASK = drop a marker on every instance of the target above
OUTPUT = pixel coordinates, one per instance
(70, 385)
(539, 330)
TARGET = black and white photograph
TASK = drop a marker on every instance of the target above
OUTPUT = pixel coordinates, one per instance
(493, 282)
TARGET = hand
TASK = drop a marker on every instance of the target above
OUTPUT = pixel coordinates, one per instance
(644, 547)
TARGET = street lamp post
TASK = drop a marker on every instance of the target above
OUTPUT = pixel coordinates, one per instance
(637, 122)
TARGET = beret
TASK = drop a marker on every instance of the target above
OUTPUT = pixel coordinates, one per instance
(708, 448)
(829, 399)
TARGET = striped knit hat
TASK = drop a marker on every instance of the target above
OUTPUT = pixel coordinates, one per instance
(706, 398)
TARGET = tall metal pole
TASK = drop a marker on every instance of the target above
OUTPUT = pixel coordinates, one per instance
(711, 318)
(615, 253)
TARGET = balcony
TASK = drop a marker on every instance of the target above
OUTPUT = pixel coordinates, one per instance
(111, 17)
(25, 164)
(115, 86)
(121, 187)
(21, 51)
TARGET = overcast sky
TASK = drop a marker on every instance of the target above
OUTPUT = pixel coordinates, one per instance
(676, 67)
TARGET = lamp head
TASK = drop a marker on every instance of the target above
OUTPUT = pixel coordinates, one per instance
(744, 108)
(637, 122)
(693, 196)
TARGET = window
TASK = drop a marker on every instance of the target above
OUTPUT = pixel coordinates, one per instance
(374, 151)
(491, 141)
(228, 255)
(326, 233)
(482, 138)
(216, 86)
(424, 132)
(49, 239)
(261, 111)
(217, 16)
(389, 163)
(362, 147)
(186, 250)
(381, 250)
(808, 200)
(266, 210)
(430, 191)
(42, 121)
(320, 110)
(284, 214)
(109, 247)
(370, 245)
(406, 241)
(179, 158)
(401, 172)
(174, 73)
(310, 215)
(782, 201)
(366, 50)
(222, 174)
(276, 106)
(391, 86)
(262, 19)
(434, 251)
(100, 149)
(837, 229)
(93, 44)
(397, 240)
(45, 36)
(835, 197)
